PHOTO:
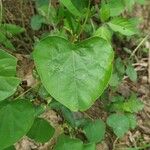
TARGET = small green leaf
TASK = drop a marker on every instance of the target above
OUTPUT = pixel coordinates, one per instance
(120, 66)
(71, 7)
(133, 105)
(94, 131)
(117, 98)
(124, 26)
(11, 29)
(66, 143)
(80, 5)
(114, 80)
(104, 33)
(41, 131)
(119, 123)
(36, 22)
(132, 120)
(74, 74)
(104, 12)
(91, 146)
(132, 74)
(6, 42)
(8, 81)
(49, 14)
(117, 106)
(129, 4)
(116, 7)
(16, 118)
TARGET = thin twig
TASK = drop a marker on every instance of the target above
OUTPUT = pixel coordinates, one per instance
(27, 91)
(143, 40)
(114, 144)
(149, 66)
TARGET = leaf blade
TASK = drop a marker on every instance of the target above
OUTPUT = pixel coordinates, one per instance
(41, 131)
(67, 65)
(124, 26)
(16, 119)
(71, 7)
(95, 131)
(8, 79)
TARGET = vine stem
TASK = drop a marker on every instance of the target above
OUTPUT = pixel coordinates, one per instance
(85, 21)
(143, 40)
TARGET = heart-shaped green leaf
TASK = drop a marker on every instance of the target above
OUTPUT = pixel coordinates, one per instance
(74, 74)
(16, 118)
(8, 81)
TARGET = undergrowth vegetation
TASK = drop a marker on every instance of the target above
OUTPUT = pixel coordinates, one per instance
(76, 63)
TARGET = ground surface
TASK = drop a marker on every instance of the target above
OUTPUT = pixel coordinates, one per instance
(20, 13)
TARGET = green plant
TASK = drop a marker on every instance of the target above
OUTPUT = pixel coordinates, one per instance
(124, 116)
(8, 31)
(74, 63)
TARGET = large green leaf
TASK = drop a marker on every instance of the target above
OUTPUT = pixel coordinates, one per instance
(124, 26)
(16, 118)
(74, 74)
(95, 131)
(8, 81)
(41, 131)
